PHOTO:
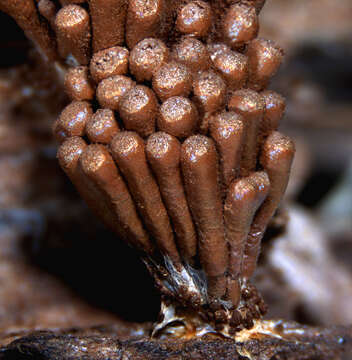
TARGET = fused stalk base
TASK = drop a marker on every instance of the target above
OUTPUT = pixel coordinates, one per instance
(187, 311)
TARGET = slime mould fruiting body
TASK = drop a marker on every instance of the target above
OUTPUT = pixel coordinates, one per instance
(171, 138)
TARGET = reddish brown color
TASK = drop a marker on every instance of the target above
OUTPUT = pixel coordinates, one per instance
(240, 25)
(178, 116)
(276, 159)
(99, 167)
(128, 151)
(192, 53)
(143, 20)
(265, 58)
(102, 126)
(232, 65)
(111, 90)
(172, 79)
(147, 57)
(244, 197)
(72, 25)
(109, 62)
(25, 14)
(138, 109)
(69, 154)
(108, 23)
(72, 120)
(78, 84)
(200, 170)
(275, 106)
(209, 91)
(194, 18)
(47, 9)
(227, 130)
(163, 153)
(250, 105)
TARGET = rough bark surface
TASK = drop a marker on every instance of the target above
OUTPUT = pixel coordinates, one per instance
(120, 343)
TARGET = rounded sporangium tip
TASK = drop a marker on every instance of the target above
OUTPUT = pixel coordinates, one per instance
(47, 9)
(277, 149)
(197, 146)
(274, 110)
(126, 143)
(178, 116)
(147, 57)
(265, 58)
(102, 126)
(71, 16)
(172, 79)
(110, 90)
(247, 102)
(143, 20)
(72, 25)
(199, 163)
(109, 62)
(72, 120)
(210, 90)
(69, 153)
(180, 156)
(138, 110)
(163, 154)
(194, 18)
(192, 53)
(163, 147)
(78, 84)
(94, 158)
(241, 25)
(226, 123)
(227, 130)
(232, 65)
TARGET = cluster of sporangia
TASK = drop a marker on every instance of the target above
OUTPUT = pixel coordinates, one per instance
(171, 138)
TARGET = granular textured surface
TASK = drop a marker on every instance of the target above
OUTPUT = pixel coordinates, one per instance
(171, 139)
(191, 74)
(102, 343)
